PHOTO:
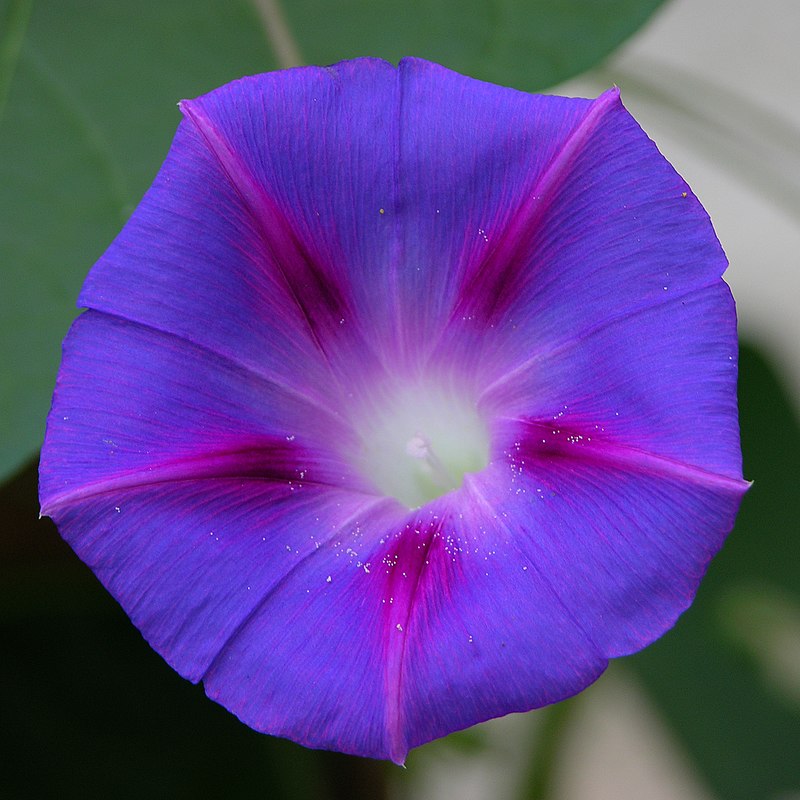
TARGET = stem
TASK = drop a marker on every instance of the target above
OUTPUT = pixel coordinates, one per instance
(287, 52)
(419, 447)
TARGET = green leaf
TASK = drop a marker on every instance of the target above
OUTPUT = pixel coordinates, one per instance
(88, 94)
(727, 678)
(528, 44)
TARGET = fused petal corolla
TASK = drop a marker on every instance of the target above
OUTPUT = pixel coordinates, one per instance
(401, 402)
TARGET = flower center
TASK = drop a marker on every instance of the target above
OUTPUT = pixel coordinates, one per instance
(421, 444)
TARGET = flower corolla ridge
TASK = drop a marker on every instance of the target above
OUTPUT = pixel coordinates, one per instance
(401, 402)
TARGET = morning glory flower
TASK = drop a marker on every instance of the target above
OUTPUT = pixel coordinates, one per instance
(401, 402)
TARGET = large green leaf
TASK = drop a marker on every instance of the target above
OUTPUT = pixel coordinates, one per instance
(529, 44)
(727, 677)
(87, 109)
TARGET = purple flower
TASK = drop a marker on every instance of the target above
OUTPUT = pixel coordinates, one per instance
(401, 402)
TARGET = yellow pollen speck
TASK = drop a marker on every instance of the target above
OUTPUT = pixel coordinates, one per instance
(381, 211)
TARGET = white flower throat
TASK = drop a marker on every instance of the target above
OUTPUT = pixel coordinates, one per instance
(421, 443)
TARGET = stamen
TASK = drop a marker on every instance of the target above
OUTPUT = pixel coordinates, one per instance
(419, 447)
(419, 440)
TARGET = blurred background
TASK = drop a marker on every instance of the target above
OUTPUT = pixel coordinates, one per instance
(87, 111)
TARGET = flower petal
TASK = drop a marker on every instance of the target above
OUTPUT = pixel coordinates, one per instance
(248, 215)
(487, 632)
(190, 560)
(660, 379)
(135, 406)
(624, 536)
(608, 230)
(468, 155)
(198, 260)
(389, 639)
(422, 182)
(551, 562)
